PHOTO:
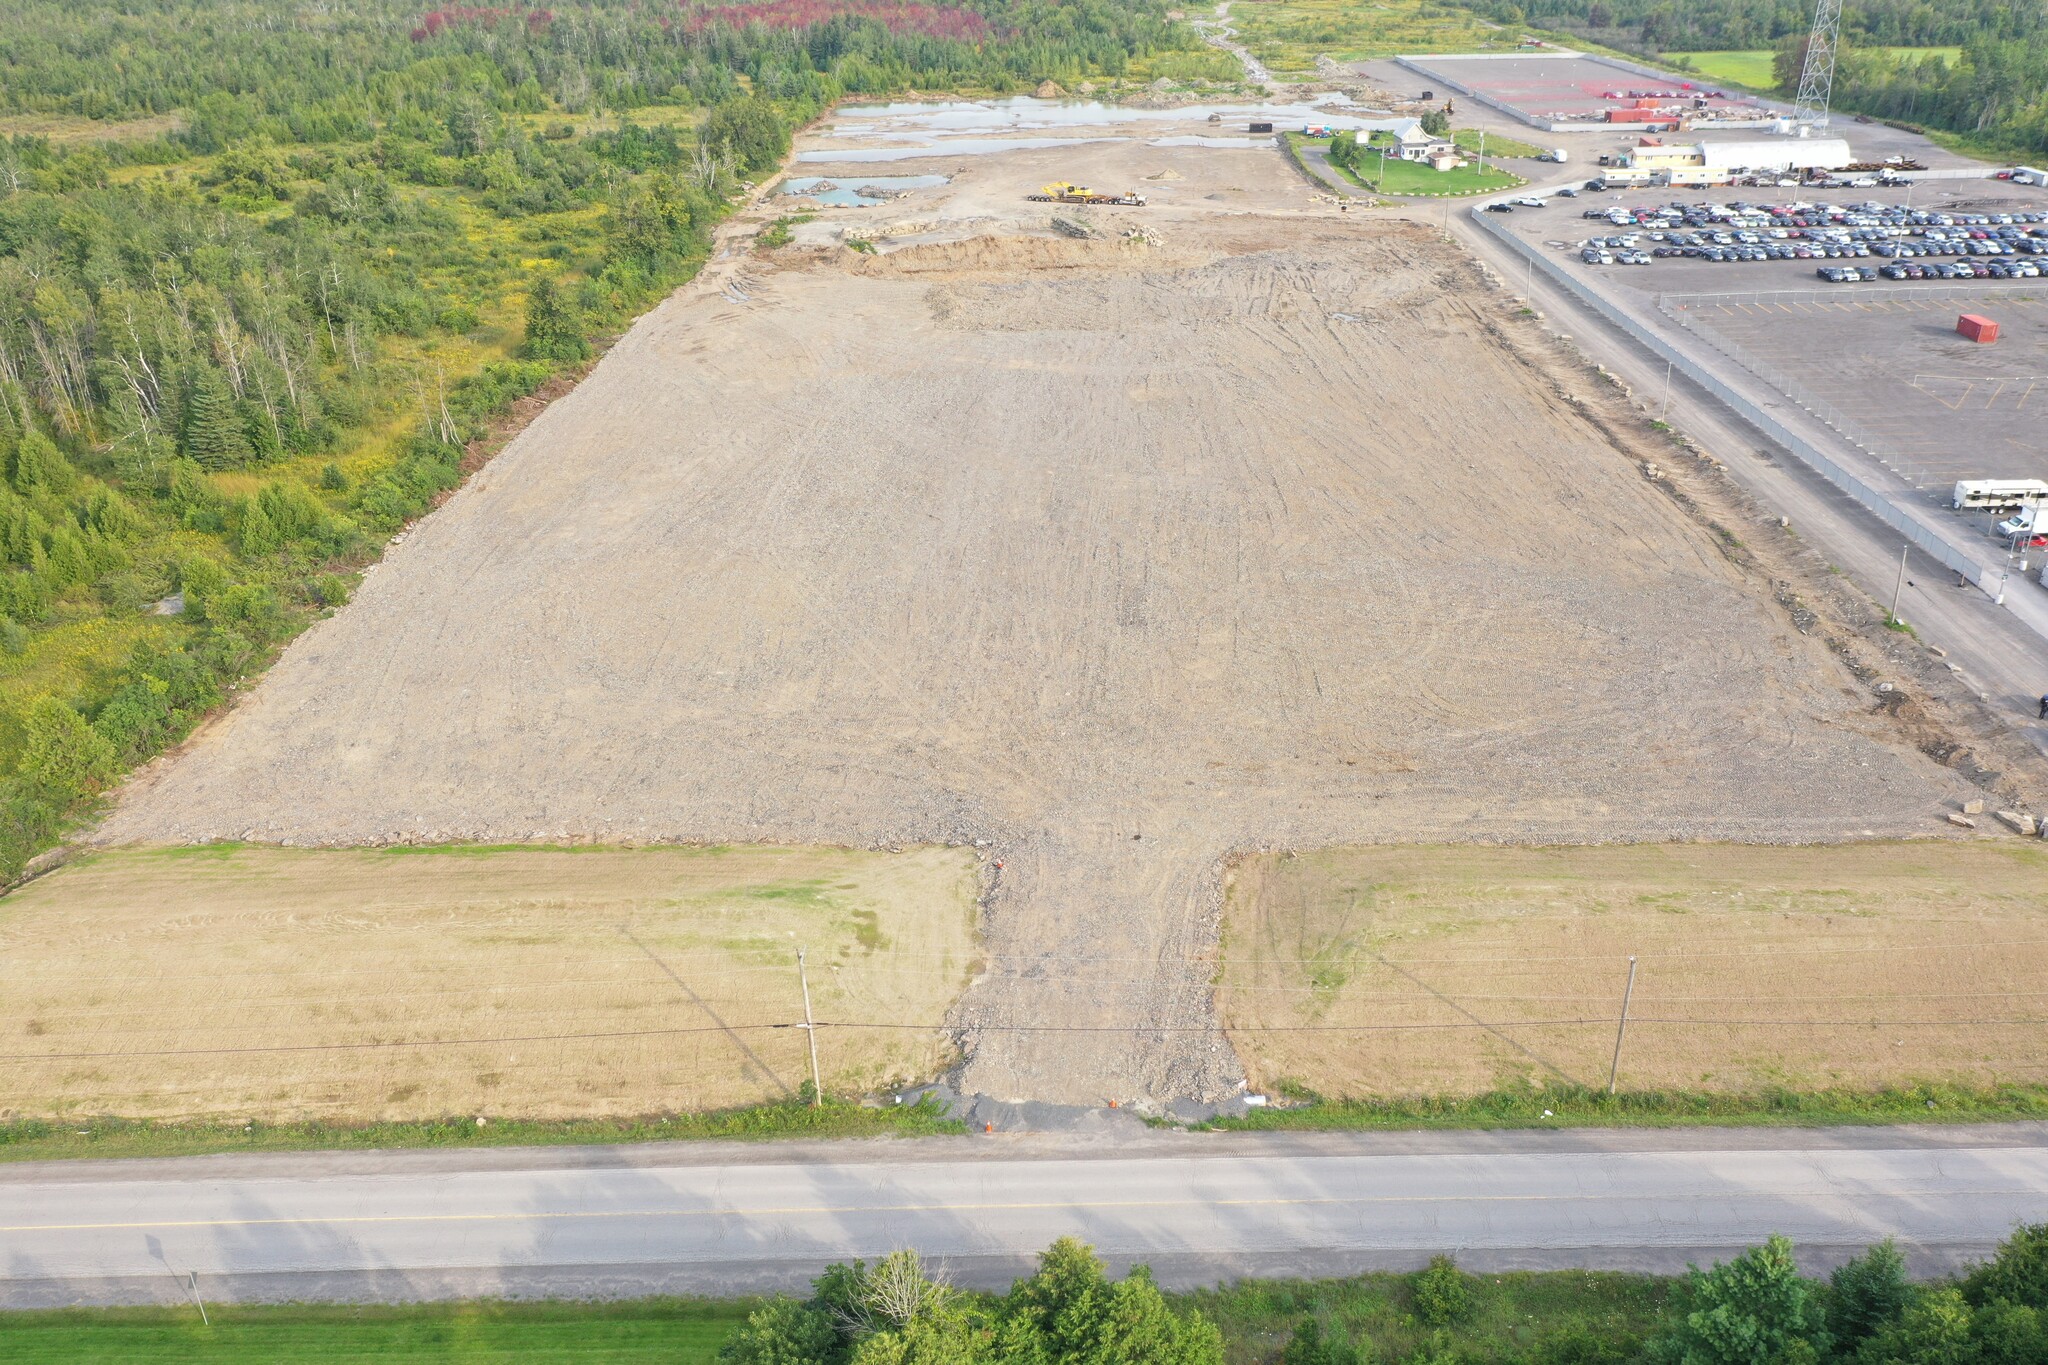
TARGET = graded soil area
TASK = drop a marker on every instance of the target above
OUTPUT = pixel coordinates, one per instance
(1443, 971)
(350, 985)
(1115, 558)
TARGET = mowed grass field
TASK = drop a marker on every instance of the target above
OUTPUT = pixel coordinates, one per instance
(1380, 972)
(1753, 69)
(653, 1330)
(356, 985)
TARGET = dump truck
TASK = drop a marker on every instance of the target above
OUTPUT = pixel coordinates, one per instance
(1064, 193)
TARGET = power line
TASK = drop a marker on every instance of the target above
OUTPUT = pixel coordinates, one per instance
(936, 1027)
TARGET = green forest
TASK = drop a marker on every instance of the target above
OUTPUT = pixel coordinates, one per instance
(272, 276)
(1995, 92)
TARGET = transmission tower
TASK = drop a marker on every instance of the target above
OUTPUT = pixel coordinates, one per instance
(1817, 76)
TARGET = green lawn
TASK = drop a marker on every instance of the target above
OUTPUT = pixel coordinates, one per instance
(1406, 177)
(673, 1332)
(1497, 144)
(1951, 55)
(1750, 69)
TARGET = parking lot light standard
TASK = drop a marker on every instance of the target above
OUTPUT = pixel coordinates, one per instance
(1898, 586)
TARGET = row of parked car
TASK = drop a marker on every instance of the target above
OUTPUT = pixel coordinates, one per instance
(1740, 214)
(1961, 270)
(1744, 232)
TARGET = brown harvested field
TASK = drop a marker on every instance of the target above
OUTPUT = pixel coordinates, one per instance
(1855, 965)
(1122, 559)
(352, 985)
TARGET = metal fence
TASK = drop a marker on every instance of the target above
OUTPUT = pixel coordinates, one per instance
(1900, 519)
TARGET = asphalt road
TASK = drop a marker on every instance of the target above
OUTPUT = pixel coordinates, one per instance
(1198, 1208)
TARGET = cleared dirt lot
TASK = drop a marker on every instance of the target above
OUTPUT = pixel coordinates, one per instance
(1118, 558)
(1411, 971)
(346, 984)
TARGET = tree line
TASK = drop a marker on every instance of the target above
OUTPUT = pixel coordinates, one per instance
(1755, 1309)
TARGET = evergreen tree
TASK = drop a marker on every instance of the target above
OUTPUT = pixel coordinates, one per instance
(212, 430)
(37, 463)
(257, 535)
(551, 329)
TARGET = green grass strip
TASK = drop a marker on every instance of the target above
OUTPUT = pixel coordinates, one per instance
(670, 1331)
(42, 1140)
(1578, 1107)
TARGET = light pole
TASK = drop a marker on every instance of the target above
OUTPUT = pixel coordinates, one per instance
(1898, 586)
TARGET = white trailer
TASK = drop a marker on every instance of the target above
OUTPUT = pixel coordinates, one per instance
(2027, 175)
(1988, 495)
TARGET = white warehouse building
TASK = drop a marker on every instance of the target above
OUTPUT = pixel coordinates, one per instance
(1776, 154)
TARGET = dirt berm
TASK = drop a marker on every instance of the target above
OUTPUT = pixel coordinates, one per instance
(1120, 559)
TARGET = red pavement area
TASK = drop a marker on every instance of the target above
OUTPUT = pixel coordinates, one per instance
(1562, 85)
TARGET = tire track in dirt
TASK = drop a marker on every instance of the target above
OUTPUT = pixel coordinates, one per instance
(1115, 563)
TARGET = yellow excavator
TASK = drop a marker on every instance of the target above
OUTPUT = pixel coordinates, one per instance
(1064, 193)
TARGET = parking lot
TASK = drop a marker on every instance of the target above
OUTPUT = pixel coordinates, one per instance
(1878, 359)
(1888, 370)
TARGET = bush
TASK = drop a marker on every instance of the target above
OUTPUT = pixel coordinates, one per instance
(1441, 1294)
(1310, 1345)
(1865, 1294)
(1753, 1310)
(2017, 1274)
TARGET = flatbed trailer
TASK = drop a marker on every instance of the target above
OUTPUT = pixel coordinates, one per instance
(1080, 194)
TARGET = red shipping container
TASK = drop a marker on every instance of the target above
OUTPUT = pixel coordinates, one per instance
(1977, 328)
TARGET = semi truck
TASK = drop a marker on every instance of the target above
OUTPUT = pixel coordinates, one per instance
(1997, 495)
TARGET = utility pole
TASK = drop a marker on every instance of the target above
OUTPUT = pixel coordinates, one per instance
(1898, 587)
(811, 1030)
(1614, 1070)
(1817, 72)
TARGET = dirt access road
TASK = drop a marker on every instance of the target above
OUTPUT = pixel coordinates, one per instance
(1120, 559)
